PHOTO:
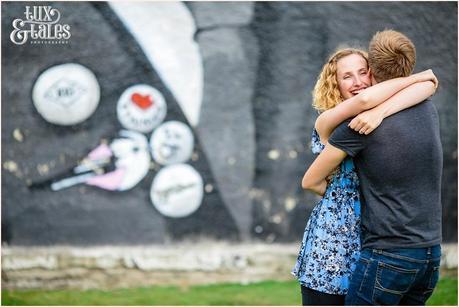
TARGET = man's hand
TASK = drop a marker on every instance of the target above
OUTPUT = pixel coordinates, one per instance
(426, 75)
(367, 121)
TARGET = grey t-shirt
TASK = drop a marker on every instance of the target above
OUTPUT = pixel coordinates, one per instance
(399, 167)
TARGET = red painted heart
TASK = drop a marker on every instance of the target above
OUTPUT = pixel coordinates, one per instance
(143, 102)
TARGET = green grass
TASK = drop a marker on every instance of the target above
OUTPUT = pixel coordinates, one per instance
(445, 292)
(263, 293)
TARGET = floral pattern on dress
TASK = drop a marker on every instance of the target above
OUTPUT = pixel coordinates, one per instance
(331, 242)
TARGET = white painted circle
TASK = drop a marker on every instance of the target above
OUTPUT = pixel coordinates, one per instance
(177, 190)
(171, 143)
(66, 94)
(141, 108)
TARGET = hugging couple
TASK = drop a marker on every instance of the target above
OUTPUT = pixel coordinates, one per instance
(374, 237)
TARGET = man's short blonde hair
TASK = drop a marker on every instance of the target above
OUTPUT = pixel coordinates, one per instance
(391, 55)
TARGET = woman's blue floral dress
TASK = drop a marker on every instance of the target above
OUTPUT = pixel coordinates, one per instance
(331, 241)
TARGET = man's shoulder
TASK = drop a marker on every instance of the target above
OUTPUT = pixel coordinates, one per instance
(344, 130)
(345, 123)
(347, 139)
(425, 108)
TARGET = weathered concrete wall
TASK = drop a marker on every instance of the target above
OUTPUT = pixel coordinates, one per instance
(114, 267)
(181, 265)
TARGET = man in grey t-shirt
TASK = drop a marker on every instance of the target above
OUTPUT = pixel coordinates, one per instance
(399, 167)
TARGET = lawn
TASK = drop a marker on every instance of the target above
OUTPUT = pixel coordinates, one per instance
(262, 293)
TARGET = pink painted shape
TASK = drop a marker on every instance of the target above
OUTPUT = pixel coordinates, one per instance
(100, 152)
(110, 181)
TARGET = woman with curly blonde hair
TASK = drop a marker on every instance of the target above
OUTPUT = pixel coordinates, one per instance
(331, 243)
(326, 94)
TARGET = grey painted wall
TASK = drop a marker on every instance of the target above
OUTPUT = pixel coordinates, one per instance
(84, 215)
(260, 61)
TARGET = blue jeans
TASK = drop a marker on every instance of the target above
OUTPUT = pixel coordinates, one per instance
(394, 276)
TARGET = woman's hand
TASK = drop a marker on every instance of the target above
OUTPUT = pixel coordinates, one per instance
(426, 75)
(367, 121)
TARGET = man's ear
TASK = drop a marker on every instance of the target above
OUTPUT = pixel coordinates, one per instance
(372, 78)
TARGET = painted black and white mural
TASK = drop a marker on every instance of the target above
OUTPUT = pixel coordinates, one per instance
(156, 122)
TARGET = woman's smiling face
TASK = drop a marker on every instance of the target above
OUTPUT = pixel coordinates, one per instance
(352, 75)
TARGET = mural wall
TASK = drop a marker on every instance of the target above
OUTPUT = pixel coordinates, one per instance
(138, 123)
